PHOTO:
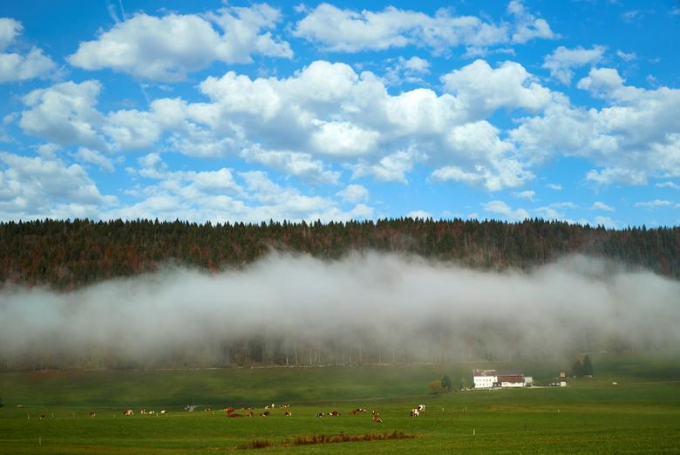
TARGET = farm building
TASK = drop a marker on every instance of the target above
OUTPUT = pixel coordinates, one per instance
(509, 380)
(485, 379)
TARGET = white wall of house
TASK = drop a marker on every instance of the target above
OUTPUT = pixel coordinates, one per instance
(484, 382)
(512, 384)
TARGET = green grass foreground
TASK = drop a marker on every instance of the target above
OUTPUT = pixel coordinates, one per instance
(641, 414)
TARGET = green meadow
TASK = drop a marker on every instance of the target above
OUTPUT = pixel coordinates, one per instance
(640, 414)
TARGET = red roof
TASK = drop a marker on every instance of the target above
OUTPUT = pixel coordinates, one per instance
(512, 378)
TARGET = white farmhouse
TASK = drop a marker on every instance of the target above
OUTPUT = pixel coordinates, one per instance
(484, 379)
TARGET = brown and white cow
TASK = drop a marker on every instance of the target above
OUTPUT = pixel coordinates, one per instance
(129, 412)
(415, 412)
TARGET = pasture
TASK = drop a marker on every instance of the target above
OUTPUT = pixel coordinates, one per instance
(639, 414)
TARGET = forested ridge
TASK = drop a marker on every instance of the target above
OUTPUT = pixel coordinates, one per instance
(71, 254)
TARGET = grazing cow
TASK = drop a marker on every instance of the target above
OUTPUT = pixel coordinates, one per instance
(229, 410)
(249, 414)
(376, 418)
(42, 416)
(163, 411)
(129, 412)
(319, 414)
(415, 412)
(357, 411)
(287, 414)
(265, 414)
(235, 415)
(207, 410)
(334, 414)
(93, 414)
(143, 411)
(152, 412)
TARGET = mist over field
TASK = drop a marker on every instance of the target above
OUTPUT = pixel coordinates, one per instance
(365, 308)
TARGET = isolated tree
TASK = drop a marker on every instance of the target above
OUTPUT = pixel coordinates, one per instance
(436, 386)
(577, 368)
(587, 366)
(446, 383)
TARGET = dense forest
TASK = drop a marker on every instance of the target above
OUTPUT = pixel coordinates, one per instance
(67, 255)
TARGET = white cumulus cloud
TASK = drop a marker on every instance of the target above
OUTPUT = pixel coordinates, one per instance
(504, 210)
(597, 205)
(35, 187)
(347, 30)
(354, 193)
(562, 61)
(654, 204)
(166, 48)
(635, 136)
(18, 66)
(65, 114)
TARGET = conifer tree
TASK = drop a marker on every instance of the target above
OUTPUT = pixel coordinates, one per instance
(587, 366)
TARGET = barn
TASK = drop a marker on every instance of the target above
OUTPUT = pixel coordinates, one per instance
(510, 380)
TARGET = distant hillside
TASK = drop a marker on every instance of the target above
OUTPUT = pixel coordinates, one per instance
(71, 254)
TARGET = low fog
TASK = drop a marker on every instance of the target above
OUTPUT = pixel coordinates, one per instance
(365, 308)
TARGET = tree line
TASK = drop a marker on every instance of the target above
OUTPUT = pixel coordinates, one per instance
(68, 254)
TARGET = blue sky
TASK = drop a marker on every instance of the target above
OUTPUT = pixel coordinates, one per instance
(208, 110)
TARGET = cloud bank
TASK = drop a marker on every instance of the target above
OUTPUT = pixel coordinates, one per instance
(364, 308)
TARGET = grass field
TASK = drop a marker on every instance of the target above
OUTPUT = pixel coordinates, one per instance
(640, 414)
